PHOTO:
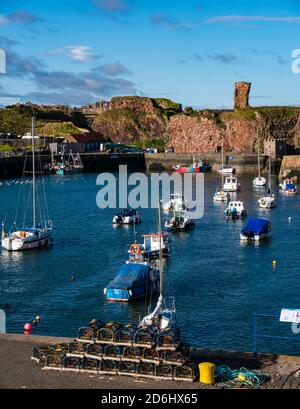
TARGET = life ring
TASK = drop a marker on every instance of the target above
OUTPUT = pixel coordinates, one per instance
(135, 249)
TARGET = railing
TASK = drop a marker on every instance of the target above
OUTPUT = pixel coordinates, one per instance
(256, 335)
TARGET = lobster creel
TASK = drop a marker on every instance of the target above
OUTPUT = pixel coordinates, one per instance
(89, 332)
(126, 333)
(131, 353)
(112, 351)
(169, 337)
(188, 372)
(145, 336)
(108, 332)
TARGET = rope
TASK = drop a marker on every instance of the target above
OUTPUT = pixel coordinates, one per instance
(242, 376)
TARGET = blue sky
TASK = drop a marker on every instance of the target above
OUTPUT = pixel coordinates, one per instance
(78, 51)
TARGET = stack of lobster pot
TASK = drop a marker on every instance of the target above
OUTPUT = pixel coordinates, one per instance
(118, 349)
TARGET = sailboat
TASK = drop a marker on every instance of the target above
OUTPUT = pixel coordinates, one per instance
(36, 236)
(268, 202)
(162, 317)
(225, 169)
(259, 180)
(220, 195)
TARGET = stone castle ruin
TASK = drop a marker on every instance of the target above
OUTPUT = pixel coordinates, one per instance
(241, 95)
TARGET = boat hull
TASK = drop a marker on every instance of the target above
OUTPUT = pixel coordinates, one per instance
(119, 295)
(25, 244)
(256, 237)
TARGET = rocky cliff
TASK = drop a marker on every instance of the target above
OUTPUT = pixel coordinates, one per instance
(131, 119)
(136, 119)
(240, 128)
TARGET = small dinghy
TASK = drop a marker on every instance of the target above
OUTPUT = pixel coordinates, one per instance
(235, 211)
(149, 250)
(257, 229)
(288, 187)
(180, 221)
(231, 184)
(127, 216)
(134, 280)
(176, 200)
(221, 196)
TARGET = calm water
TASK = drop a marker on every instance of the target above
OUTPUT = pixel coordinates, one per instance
(218, 283)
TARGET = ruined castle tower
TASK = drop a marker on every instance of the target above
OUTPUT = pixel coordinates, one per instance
(241, 95)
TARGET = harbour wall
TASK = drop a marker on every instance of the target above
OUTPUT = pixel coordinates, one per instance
(290, 166)
(12, 166)
(165, 161)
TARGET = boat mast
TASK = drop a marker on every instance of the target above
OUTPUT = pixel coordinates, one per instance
(258, 156)
(269, 180)
(33, 171)
(161, 275)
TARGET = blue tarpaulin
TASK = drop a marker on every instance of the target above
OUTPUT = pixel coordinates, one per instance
(131, 276)
(127, 213)
(256, 226)
(290, 186)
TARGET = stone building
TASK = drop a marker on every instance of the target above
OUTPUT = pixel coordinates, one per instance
(241, 95)
(275, 147)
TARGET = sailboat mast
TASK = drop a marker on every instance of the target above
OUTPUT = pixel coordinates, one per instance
(161, 275)
(33, 172)
(269, 181)
(258, 157)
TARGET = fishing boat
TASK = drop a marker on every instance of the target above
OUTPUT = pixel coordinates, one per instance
(180, 221)
(268, 202)
(134, 280)
(127, 216)
(150, 248)
(256, 229)
(40, 233)
(196, 167)
(288, 187)
(176, 200)
(231, 184)
(259, 181)
(235, 211)
(221, 196)
(70, 166)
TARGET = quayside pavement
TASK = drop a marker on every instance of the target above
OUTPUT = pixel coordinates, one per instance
(18, 371)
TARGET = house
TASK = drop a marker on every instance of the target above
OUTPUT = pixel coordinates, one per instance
(84, 142)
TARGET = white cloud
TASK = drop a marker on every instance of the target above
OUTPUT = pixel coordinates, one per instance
(77, 53)
(241, 19)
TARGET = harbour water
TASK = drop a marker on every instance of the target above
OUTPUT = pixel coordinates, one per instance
(217, 281)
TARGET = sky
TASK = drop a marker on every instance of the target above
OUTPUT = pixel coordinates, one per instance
(79, 51)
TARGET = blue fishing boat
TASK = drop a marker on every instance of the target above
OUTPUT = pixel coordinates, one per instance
(256, 229)
(134, 280)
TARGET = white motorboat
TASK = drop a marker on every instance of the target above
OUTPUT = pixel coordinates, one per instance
(231, 184)
(235, 210)
(226, 170)
(176, 201)
(180, 221)
(127, 216)
(150, 248)
(288, 187)
(221, 196)
(40, 234)
(259, 181)
(268, 201)
(256, 229)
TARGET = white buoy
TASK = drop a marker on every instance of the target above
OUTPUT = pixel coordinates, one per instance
(290, 219)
